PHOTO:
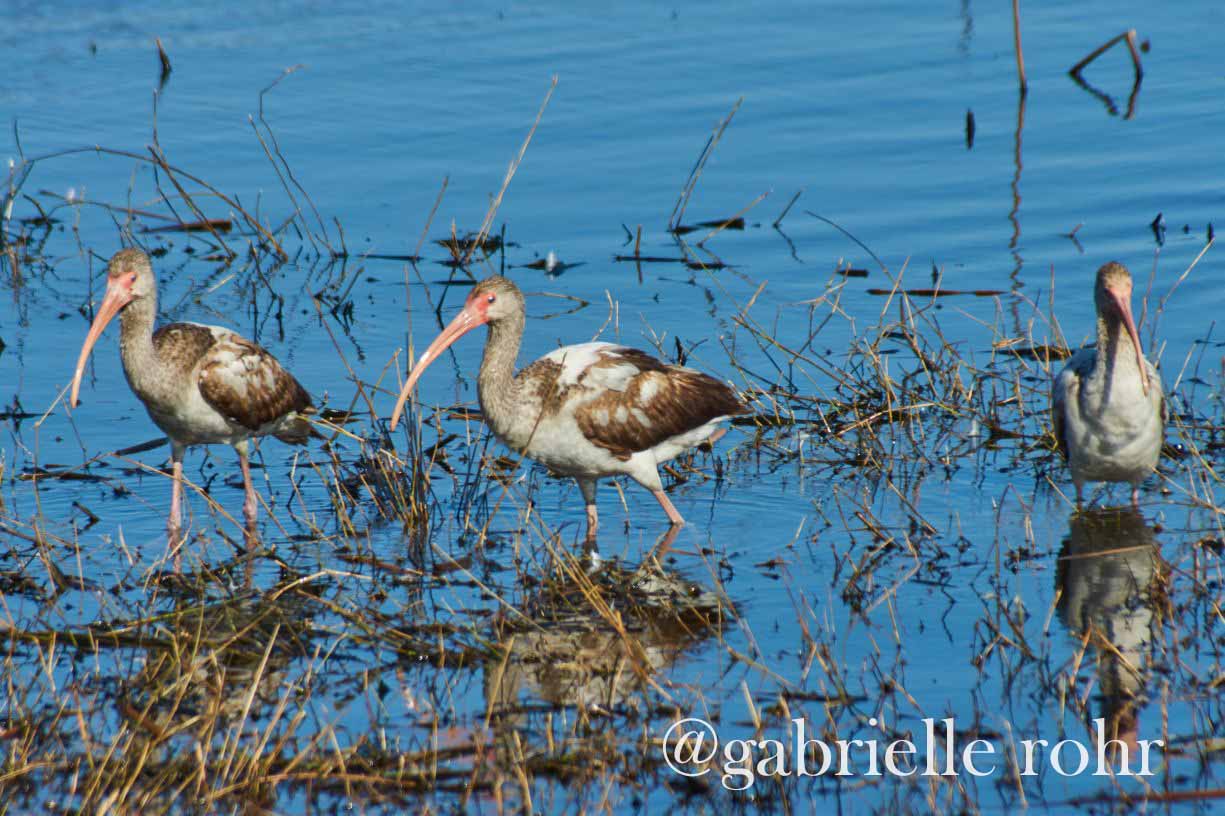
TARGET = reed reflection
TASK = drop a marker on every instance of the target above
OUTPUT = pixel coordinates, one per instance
(1111, 580)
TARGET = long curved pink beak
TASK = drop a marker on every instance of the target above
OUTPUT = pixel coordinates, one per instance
(467, 320)
(118, 295)
(1123, 302)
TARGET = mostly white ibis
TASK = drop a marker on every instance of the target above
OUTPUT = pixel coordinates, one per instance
(202, 385)
(1107, 405)
(586, 411)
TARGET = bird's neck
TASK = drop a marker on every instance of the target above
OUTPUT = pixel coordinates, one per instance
(1116, 352)
(497, 388)
(141, 363)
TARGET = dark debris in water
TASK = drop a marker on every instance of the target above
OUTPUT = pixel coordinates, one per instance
(935, 293)
(851, 272)
(736, 223)
(462, 246)
(204, 225)
(1042, 352)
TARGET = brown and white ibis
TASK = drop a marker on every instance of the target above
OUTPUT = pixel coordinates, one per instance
(202, 385)
(1107, 405)
(586, 411)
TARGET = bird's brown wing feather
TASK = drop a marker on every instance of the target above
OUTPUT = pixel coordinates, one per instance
(183, 344)
(659, 402)
(247, 385)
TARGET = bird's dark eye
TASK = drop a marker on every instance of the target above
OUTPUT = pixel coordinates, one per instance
(492, 298)
(133, 278)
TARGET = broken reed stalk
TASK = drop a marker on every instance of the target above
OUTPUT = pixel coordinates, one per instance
(682, 201)
(848, 234)
(1016, 39)
(202, 218)
(164, 61)
(1128, 36)
(429, 219)
(19, 171)
(284, 163)
(492, 212)
(787, 209)
(156, 159)
(425, 231)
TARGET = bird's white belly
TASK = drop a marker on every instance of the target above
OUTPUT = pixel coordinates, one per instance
(558, 444)
(192, 421)
(1118, 442)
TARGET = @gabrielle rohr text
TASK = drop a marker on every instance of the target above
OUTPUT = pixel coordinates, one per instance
(692, 747)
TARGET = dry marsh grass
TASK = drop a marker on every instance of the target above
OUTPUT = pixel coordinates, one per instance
(416, 631)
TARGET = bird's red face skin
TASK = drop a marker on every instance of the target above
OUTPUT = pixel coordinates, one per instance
(119, 283)
(479, 302)
(475, 313)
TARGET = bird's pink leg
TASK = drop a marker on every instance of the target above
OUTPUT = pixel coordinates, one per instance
(593, 521)
(174, 522)
(666, 504)
(1135, 497)
(250, 507)
(716, 436)
(587, 486)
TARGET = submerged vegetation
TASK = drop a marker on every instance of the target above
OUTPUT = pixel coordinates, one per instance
(413, 631)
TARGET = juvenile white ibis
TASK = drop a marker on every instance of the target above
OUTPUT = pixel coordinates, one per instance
(1107, 405)
(587, 411)
(202, 385)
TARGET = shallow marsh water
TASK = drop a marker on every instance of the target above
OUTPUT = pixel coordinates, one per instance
(893, 545)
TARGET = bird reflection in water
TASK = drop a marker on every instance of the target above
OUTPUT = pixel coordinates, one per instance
(595, 641)
(1111, 580)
